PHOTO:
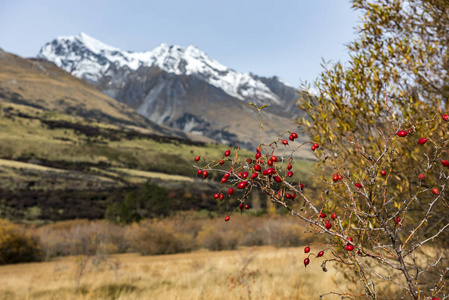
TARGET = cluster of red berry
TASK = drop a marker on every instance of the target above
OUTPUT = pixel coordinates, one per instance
(422, 141)
(263, 168)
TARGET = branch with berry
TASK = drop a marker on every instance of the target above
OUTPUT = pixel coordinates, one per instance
(363, 225)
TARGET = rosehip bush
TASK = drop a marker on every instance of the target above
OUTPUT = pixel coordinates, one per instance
(379, 129)
(366, 228)
(391, 98)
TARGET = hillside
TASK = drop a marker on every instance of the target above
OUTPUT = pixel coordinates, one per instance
(69, 151)
(42, 85)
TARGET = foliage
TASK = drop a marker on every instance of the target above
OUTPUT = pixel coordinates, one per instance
(395, 80)
(149, 201)
(181, 233)
(157, 237)
(81, 237)
(217, 238)
(16, 245)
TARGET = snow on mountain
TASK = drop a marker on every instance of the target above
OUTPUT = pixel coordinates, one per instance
(87, 58)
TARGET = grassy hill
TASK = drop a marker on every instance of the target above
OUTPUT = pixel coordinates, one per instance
(69, 151)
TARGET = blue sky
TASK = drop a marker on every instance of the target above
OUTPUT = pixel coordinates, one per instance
(284, 38)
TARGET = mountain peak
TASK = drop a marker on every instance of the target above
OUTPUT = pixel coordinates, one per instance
(94, 44)
(181, 87)
(91, 59)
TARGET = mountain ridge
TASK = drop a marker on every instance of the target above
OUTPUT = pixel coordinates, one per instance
(180, 87)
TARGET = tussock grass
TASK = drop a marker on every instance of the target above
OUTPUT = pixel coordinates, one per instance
(265, 272)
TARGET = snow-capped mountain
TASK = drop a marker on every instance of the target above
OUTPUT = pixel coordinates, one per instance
(90, 59)
(172, 85)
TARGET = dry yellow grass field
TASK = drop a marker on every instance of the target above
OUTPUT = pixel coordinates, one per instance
(264, 273)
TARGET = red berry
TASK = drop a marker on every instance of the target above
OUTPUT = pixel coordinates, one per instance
(445, 163)
(292, 196)
(445, 117)
(316, 145)
(307, 249)
(239, 174)
(306, 261)
(335, 177)
(435, 191)
(274, 158)
(340, 177)
(312, 148)
(287, 196)
(421, 177)
(197, 158)
(294, 135)
(246, 206)
(334, 216)
(291, 138)
(270, 171)
(199, 172)
(241, 206)
(230, 191)
(328, 226)
(257, 168)
(301, 186)
(322, 215)
(258, 155)
(224, 180)
(258, 149)
(245, 174)
(221, 161)
(221, 197)
(402, 133)
(289, 166)
(321, 253)
(383, 173)
(358, 185)
(249, 160)
(350, 239)
(285, 142)
(349, 247)
(254, 175)
(227, 218)
(436, 298)
(270, 162)
(241, 185)
(216, 196)
(277, 179)
(227, 153)
(290, 174)
(397, 220)
(422, 141)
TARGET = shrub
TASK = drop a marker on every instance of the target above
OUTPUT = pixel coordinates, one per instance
(81, 237)
(158, 237)
(275, 231)
(17, 246)
(218, 237)
(365, 227)
(149, 201)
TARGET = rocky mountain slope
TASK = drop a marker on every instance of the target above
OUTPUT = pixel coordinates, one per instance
(180, 87)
